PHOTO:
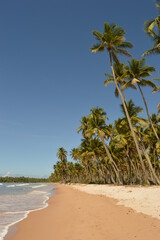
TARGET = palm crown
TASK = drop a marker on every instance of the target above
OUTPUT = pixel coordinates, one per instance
(152, 29)
(136, 72)
(62, 154)
(113, 40)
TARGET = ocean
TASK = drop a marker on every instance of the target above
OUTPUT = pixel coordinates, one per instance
(18, 199)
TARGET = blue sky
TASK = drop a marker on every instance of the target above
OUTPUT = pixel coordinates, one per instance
(49, 78)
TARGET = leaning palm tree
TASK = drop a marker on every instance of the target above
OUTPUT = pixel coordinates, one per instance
(119, 70)
(99, 128)
(94, 125)
(114, 42)
(139, 124)
(136, 72)
(152, 29)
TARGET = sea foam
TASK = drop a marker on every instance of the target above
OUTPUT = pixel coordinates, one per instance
(18, 201)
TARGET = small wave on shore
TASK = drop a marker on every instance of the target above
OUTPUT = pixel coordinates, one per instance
(22, 184)
(18, 201)
(39, 186)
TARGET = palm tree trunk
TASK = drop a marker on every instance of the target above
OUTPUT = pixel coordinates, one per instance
(124, 97)
(114, 165)
(156, 180)
(149, 118)
(131, 165)
(128, 118)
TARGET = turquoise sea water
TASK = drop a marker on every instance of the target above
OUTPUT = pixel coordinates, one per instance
(17, 200)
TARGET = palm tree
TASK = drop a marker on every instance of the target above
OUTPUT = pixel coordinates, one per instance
(84, 125)
(136, 72)
(114, 42)
(140, 123)
(62, 155)
(152, 29)
(99, 128)
(86, 156)
(75, 153)
(119, 70)
(94, 125)
(133, 112)
(123, 147)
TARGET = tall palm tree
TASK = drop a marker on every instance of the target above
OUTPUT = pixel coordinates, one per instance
(140, 123)
(136, 72)
(114, 42)
(152, 29)
(62, 155)
(119, 70)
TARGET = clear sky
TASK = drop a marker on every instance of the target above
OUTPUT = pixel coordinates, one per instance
(49, 78)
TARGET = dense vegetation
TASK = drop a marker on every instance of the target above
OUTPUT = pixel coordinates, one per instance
(127, 151)
(22, 180)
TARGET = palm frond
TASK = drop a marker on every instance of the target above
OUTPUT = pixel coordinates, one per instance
(149, 83)
(152, 51)
(97, 48)
(107, 27)
(140, 121)
(128, 85)
(126, 45)
(149, 25)
(115, 58)
(157, 89)
(107, 81)
(156, 43)
(116, 93)
(109, 75)
(124, 52)
(98, 35)
(158, 5)
(118, 32)
(158, 106)
(156, 79)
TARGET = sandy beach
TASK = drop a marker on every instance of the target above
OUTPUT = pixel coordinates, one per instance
(76, 215)
(141, 199)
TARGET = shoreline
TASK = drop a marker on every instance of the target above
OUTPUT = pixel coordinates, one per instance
(9, 230)
(75, 215)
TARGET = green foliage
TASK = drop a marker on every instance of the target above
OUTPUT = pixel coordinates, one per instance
(22, 180)
(93, 165)
(128, 151)
(152, 29)
(113, 40)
